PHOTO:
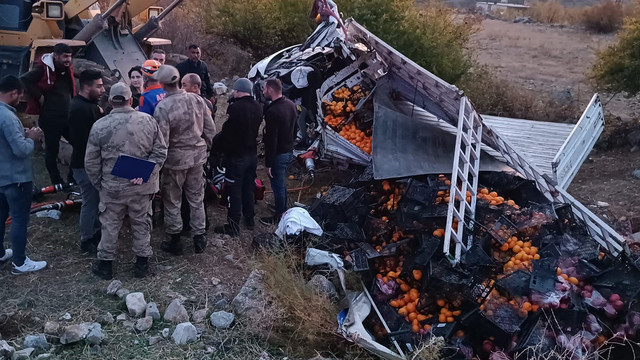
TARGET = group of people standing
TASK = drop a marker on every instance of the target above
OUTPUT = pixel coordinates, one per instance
(165, 116)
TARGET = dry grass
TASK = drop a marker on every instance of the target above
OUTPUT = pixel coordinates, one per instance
(554, 12)
(303, 316)
(603, 18)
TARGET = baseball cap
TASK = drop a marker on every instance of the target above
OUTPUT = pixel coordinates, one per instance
(166, 74)
(119, 93)
(150, 67)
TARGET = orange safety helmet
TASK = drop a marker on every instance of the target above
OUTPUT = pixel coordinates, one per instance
(150, 66)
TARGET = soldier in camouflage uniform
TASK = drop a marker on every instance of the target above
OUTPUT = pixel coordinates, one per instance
(124, 131)
(186, 123)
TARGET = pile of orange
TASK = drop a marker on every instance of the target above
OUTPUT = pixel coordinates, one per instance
(408, 302)
(342, 93)
(333, 107)
(333, 120)
(493, 198)
(571, 279)
(356, 137)
(496, 300)
(524, 254)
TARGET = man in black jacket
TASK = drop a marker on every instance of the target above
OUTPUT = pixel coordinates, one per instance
(237, 141)
(194, 65)
(83, 112)
(280, 132)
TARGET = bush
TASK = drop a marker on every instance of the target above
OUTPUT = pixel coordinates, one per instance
(603, 18)
(617, 68)
(428, 34)
(553, 12)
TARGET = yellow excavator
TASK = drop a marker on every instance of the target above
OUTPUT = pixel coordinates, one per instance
(30, 28)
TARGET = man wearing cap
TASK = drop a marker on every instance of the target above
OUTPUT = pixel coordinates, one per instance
(133, 133)
(237, 141)
(153, 92)
(186, 124)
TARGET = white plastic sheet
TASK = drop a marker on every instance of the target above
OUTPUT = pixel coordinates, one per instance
(296, 220)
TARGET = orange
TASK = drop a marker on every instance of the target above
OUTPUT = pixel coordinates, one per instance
(565, 276)
(421, 317)
(558, 271)
(404, 288)
(411, 307)
(450, 319)
(413, 316)
(493, 194)
(415, 328)
(442, 318)
(427, 327)
(574, 280)
(414, 296)
(456, 313)
(440, 303)
(394, 303)
(526, 306)
(417, 274)
(403, 311)
(536, 257)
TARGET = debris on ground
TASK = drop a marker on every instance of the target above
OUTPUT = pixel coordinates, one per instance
(176, 313)
(184, 333)
(136, 304)
(221, 319)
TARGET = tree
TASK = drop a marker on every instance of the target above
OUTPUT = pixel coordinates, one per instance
(617, 68)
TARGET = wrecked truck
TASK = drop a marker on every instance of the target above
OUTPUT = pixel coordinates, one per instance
(460, 224)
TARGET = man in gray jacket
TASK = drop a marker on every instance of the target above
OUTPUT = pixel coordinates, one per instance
(16, 177)
(130, 132)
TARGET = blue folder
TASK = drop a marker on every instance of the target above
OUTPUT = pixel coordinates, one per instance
(130, 167)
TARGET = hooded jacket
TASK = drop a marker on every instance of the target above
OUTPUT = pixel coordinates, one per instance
(41, 80)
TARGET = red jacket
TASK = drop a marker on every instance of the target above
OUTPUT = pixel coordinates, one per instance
(40, 79)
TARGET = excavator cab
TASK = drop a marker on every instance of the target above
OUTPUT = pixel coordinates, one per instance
(29, 28)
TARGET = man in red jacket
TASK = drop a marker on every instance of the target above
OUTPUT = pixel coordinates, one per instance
(51, 85)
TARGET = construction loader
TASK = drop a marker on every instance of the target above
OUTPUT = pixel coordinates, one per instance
(30, 28)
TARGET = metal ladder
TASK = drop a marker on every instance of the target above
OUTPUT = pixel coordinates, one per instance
(464, 177)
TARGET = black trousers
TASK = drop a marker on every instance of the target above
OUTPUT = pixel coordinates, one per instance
(54, 129)
(240, 186)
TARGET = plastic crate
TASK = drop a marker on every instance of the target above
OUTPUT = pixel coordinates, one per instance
(574, 316)
(515, 284)
(420, 192)
(413, 215)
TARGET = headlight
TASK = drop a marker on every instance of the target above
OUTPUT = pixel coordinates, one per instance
(54, 10)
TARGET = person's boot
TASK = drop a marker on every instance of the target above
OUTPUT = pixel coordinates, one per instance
(103, 269)
(173, 245)
(141, 268)
(249, 223)
(199, 243)
(227, 229)
(89, 247)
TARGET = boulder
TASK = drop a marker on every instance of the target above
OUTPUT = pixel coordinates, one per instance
(144, 324)
(74, 333)
(121, 293)
(184, 333)
(152, 311)
(38, 341)
(136, 304)
(322, 286)
(6, 350)
(95, 335)
(51, 328)
(23, 354)
(221, 319)
(113, 287)
(176, 313)
(252, 297)
(199, 316)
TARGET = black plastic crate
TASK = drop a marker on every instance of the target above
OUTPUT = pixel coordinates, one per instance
(568, 222)
(377, 228)
(533, 339)
(420, 192)
(516, 284)
(413, 215)
(574, 316)
(622, 279)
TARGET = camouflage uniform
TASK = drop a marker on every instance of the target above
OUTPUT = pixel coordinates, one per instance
(186, 123)
(124, 131)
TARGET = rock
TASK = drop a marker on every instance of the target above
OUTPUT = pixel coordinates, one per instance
(634, 138)
(106, 319)
(219, 88)
(121, 293)
(152, 311)
(51, 328)
(165, 333)
(136, 342)
(129, 325)
(95, 336)
(215, 281)
(323, 286)
(234, 78)
(164, 268)
(184, 333)
(221, 304)
(122, 317)
(113, 287)
(38, 341)
(74, 333)
(44, 357)
(636, 174)
(602, 204)
(6, 350)
(563, 97)
(229, 257)
(144, 324)
(176, 313)
(136, 304)
(65, 317)
(199, 316)
(23, 354)
(522, 20)
(252, 296)
(221, 319)
(153, 340)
